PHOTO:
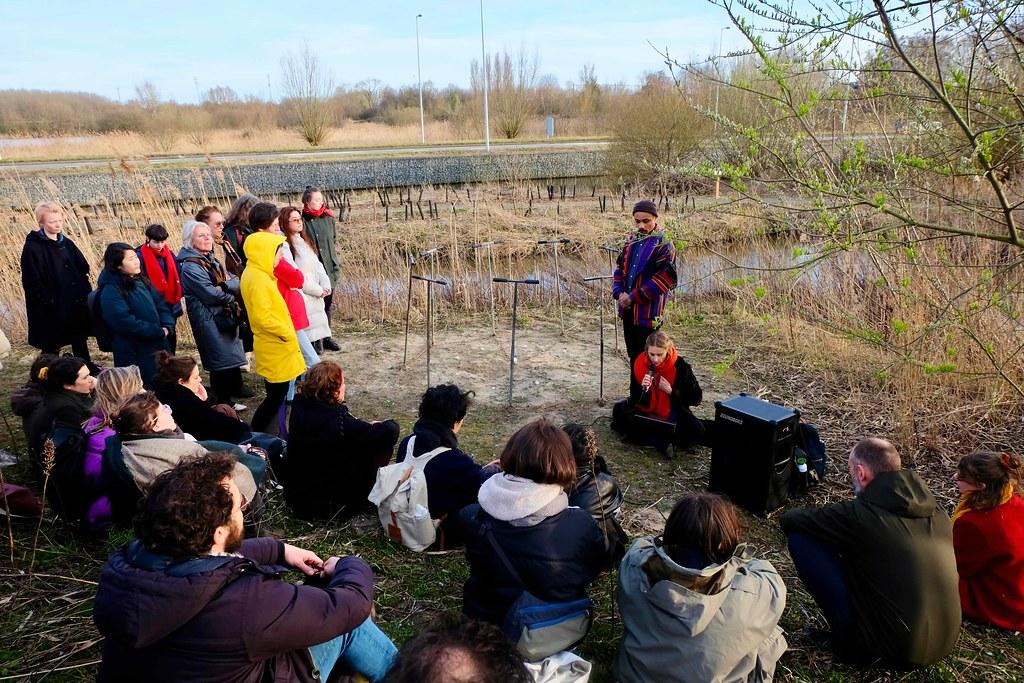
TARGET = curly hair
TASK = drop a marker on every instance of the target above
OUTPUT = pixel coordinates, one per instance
(992, 471)
(431, 656)
(184, 506)
(322, 382)
(446, 404)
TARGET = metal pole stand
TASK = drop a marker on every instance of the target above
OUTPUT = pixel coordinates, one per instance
(430, 314)
(612, 252)
(432, 253)
(558, 280)
(515, 307)
(600, 308)
(490, 276)
(408, 306)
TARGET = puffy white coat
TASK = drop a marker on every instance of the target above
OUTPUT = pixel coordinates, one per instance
(315, 284)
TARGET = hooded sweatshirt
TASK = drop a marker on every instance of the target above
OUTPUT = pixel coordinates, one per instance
(221, 619)
(275, 345)
(688, 625)
(556, 550)
(896, 547)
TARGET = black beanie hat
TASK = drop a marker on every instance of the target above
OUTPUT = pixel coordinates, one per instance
(647, 206)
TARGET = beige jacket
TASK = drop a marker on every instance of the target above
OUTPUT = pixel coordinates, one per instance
(713, 625)
(147, 458)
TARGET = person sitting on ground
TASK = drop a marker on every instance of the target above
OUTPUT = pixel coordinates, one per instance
(160, 268)
(178, 384)
(596, 490)
(139, 318)
(67, 402)
(988, 539)
(881, 566)
(465, 651)
(556, 550)
(148, 443)
(453, 477)
(114, 386)
(27, 398)
(333, 456)
(695, 605)
(190, 600)
(657, 412)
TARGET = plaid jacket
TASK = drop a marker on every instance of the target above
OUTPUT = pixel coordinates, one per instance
(646, 270)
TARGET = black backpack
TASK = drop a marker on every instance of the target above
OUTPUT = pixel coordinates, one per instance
(811, 449)
(100, 329)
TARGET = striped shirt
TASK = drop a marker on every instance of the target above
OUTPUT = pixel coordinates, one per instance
(646, 270)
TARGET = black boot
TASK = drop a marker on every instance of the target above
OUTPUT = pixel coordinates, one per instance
(318, 346)
(330, 344)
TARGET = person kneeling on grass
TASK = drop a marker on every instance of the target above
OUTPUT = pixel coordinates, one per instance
(657, 412)
(881, 566)
(189, 600)
(696, 606)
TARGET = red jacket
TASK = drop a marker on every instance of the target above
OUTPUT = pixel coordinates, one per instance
(989, 547)
(289, 283)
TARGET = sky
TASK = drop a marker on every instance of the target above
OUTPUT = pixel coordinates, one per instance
(184, 46)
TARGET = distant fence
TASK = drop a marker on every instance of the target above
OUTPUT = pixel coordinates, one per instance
(124, 183)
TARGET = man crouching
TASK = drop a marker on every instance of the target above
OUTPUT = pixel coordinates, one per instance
(190, 600)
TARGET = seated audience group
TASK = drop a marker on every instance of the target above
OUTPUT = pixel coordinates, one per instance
(192, 598)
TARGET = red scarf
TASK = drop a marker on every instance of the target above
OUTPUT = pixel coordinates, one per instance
(322, 211)
(655, 401)
(168, 285)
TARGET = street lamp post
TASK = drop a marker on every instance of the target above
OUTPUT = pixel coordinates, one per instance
(419, 79)
(718, 86)
(483, 58)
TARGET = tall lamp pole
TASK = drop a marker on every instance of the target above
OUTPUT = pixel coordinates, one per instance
(718, 86)
(419, 78)
(483, 58)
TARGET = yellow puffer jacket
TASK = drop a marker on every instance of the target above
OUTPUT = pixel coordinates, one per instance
(278, 358)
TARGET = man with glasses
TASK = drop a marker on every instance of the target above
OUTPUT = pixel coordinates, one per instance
(645, 273)
(190, 600)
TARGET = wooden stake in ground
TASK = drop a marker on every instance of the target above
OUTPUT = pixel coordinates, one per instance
(515, 307)
(430, 311)
(490, 277)
(558, 277)
(600, 317)
(612, 252)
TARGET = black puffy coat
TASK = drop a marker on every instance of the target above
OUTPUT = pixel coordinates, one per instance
(55, 277)
(198, 418)
(333, 457)
(599, 495)
(556, 558)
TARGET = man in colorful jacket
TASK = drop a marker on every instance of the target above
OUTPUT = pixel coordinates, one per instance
(645, 273)
(189, 600)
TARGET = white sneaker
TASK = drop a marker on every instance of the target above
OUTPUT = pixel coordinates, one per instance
(239, 407)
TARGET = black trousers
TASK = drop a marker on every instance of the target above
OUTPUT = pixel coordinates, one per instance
(328, 300)
(79, 347)
(226, 384)
(277, 392)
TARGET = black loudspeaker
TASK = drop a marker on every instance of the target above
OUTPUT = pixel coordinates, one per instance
(752, 457)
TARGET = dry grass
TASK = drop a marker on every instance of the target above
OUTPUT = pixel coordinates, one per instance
(353, 134)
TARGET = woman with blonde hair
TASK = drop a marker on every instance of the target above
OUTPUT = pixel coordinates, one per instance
(664, 388)
(114, 387)
(988, 539)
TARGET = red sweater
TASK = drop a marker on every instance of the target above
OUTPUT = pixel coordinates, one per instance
(989, 546)
(289, 282)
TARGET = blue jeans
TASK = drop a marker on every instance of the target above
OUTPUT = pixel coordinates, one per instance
(365, 650)
(821, 572)
(308, 354)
